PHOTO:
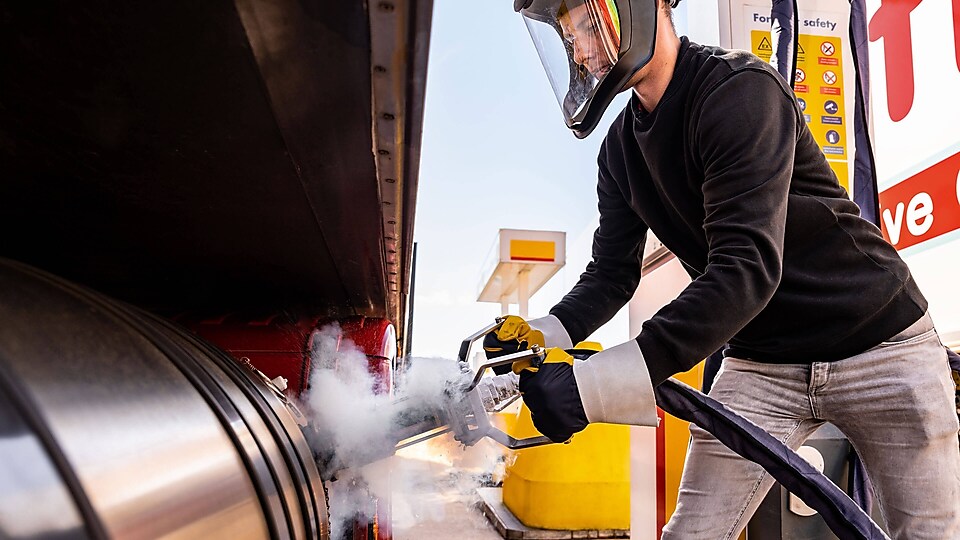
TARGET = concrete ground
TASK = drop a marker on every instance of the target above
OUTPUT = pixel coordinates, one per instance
(432, 486)
(434, 491)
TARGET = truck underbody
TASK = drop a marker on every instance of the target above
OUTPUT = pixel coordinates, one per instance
(246, 169)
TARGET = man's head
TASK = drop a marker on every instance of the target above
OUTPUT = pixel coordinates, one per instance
(591, 49)
(595, 47)
(595, 42)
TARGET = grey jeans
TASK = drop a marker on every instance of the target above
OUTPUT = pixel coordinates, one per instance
(894, 402)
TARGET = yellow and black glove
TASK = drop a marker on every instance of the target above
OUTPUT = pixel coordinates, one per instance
(513, 335)
(565, 391)
(550, 391)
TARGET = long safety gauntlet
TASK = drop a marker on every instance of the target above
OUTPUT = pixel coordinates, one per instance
(565, 394)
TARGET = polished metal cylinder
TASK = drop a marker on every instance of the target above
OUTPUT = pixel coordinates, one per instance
(115, 423)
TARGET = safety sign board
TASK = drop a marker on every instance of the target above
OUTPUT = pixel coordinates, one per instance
(818, 80)
(765, 45)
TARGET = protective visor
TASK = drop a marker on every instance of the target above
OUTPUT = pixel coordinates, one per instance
(589, 50)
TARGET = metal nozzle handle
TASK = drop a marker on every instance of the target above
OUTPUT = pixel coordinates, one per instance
(465, 345)
(514, 443)
(535, 353)
(476, 424)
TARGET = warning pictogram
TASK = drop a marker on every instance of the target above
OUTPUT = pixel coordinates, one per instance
(765, 45)
(818, 85)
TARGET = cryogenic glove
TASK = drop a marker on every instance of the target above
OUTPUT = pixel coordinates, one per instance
(516, 334)
(611, 386)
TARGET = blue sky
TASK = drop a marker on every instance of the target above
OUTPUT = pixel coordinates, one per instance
(495, 154)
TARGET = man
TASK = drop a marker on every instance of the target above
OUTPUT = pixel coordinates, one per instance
(823, 319)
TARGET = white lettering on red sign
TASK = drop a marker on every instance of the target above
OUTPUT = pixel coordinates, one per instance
(891, 22)
(924, 206)
(920, 214)
(919, 217)
(893, 224)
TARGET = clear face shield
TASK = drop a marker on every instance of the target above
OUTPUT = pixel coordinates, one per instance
(589, 50)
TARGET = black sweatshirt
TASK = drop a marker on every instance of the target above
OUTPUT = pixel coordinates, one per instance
(728, 176)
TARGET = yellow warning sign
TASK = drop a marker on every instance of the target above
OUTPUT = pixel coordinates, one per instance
(765, 45)
(760, 44)
(818, 84)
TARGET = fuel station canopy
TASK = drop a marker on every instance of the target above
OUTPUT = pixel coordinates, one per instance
(519, 264)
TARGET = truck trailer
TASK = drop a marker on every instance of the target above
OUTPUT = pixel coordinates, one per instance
(188, 191)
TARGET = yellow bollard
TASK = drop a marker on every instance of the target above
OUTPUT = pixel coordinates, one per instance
(584, 484)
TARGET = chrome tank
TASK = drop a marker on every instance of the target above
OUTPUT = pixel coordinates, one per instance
(117, 424)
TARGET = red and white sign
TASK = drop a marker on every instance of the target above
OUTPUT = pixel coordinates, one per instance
(895, 23)
(914, 83)
(924, 206)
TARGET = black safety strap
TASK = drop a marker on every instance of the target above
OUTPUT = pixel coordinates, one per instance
(784, 38)
(841, 514)
(865, 191)
(954, 360)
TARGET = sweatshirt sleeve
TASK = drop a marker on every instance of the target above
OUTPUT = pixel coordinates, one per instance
(612, 276)
(745, 135)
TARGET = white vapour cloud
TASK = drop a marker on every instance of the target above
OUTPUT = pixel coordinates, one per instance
(357, 426)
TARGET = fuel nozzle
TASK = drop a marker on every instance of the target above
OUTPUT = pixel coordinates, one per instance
(461, 408)
(499, 391)
(468, 417)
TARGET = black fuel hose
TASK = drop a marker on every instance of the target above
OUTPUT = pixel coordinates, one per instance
(839, 511)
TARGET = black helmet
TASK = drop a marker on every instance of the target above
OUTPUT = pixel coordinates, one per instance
(590, 49)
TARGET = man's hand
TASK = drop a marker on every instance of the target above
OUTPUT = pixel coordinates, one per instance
(514, 335)
(612, 386)
(550, 392)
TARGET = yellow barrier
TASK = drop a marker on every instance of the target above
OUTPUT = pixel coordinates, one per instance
(584, 484)
(581, 485)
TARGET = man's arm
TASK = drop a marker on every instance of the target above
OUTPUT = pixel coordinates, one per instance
(612, 276)
(746, 137)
